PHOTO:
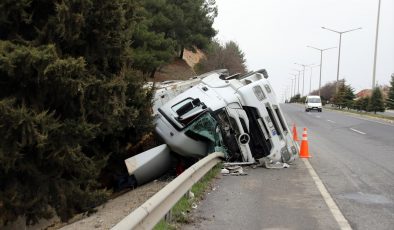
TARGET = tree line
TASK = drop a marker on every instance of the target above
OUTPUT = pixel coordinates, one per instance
(345, 97)
(72, 101)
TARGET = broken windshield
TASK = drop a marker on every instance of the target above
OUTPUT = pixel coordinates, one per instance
(205, 128)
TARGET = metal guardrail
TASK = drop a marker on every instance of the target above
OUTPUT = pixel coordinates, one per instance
(153, 210)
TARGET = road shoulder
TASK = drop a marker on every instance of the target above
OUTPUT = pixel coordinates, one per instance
(264, 199)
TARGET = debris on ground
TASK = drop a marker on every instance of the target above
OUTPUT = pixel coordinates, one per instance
(269, 164)
(191, 195)
(233, 170)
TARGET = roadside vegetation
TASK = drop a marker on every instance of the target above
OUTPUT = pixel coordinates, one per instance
(228, 56)
(180, 212)
(72, 101)
(377, 100)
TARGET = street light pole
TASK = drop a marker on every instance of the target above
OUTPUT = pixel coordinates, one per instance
(376, 48)
(295, 78)
(303, 80)
(321, 61)
(339, 52)
(299, 74)
(310, 78)
(303, 76)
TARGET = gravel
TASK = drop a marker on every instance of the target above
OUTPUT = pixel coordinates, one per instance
(110, 213)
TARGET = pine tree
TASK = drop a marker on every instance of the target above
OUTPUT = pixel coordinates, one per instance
(349, 96)
(345, 95)
(361, 104)
(376, 102)
(69, 103)
(229, 57)
(295, 99)
(152, 46)
(339, 97)
(364, 103)
(390, 98)
(194, 20)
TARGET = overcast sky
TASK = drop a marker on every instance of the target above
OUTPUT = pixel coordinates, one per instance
(274, 34)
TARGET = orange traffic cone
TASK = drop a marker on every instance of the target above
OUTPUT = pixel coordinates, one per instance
(295, 137)
(304, 152)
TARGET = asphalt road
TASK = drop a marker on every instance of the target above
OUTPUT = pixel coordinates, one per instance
(352, 155)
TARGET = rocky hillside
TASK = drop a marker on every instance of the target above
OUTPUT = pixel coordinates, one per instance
(180, 69)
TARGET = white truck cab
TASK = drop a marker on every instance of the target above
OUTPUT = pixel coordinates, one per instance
(313, 103)
(238, 115)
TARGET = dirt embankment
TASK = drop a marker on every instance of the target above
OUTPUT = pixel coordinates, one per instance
(110, 213)
(180, 69)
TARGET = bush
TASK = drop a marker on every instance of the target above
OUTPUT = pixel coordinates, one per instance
(70, 106)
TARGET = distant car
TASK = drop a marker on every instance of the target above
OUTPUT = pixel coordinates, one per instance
(313, 103)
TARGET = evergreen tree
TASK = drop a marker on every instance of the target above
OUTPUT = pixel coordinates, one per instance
(152, 46)
(339, 97)
(166, 26)
(376, 102)
(194, 20)
(228, 57)
(361, 104)
(69, 103)
(345, 95)
(296, 98)
(390, 98)
(349, 96)
(364, 103)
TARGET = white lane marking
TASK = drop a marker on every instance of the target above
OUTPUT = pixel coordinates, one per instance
(357, 131)
(318, 116)
(331, 121)
(336, 212)
(372, 121)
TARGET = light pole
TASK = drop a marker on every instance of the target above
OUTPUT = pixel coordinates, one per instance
(321, 61)
(339, 52)
(376, 48)
(294, 90)
(310, 78)
(293, 79)
(303, 75)
(299, 74)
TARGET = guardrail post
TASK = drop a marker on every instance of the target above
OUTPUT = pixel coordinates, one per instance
(168, 216)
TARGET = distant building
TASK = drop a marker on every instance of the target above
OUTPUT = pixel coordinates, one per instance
(364, 93)
(368, 92)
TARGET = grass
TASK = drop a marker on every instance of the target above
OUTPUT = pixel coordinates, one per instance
(184, 205)
(163, 225)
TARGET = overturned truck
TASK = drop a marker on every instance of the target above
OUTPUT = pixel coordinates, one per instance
(238, 115)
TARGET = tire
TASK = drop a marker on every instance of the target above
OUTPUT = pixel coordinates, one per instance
(306, 110)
